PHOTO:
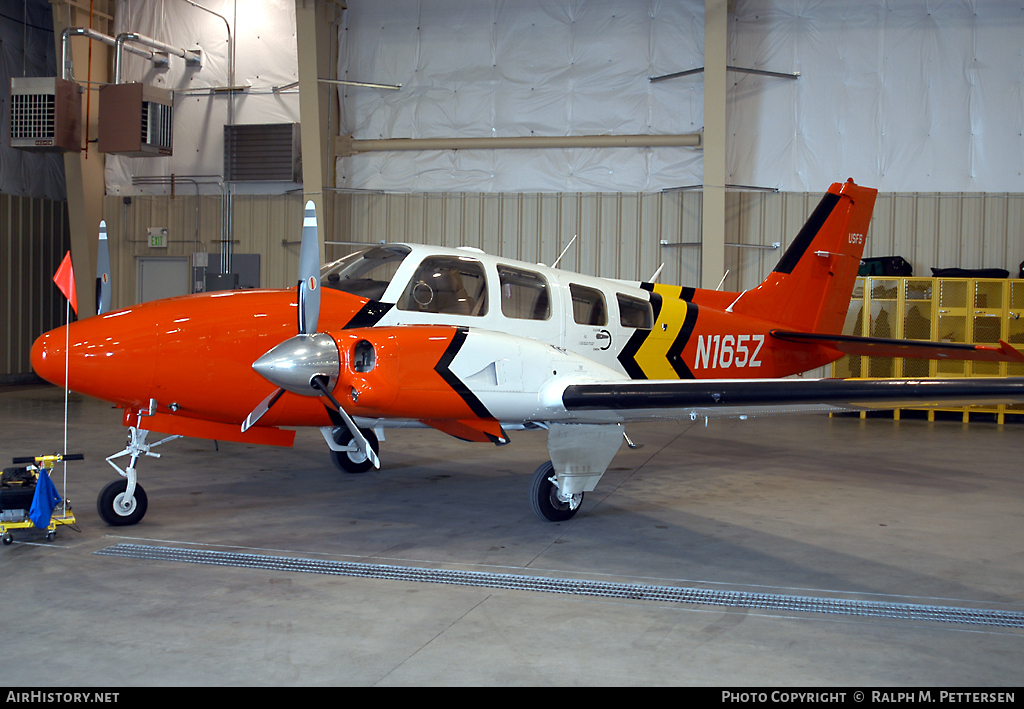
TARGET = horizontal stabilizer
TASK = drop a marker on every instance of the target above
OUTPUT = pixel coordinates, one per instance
(885, 347)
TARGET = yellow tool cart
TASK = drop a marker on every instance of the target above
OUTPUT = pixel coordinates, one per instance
(28, 499)
(966, 310)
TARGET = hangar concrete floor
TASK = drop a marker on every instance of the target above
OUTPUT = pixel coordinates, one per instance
(906, 513)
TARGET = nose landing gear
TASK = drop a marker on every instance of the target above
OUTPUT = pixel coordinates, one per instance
(118, 509)
(124, 502)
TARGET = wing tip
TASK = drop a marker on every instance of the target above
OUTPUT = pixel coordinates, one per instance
(1011, 352)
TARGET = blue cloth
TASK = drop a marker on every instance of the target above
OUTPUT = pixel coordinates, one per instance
(45, 499)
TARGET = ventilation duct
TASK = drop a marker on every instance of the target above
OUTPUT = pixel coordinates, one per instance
(46, 114)
(135, 120)
(268, 152)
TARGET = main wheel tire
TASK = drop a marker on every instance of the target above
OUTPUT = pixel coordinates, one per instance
(109, 508)
(544, 496)
(353, 461)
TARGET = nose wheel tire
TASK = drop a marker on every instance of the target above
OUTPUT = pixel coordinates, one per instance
(111, 504)
(545, 499)
(353, 461)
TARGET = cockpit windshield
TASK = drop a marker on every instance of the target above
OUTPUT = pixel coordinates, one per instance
(365, 273)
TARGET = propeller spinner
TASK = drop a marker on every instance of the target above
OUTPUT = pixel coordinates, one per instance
(308, 363)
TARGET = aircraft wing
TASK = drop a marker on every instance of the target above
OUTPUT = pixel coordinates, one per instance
(602, 402)
(923, 349)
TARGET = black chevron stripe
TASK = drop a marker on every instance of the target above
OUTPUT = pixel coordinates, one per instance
(675, 352)
(442, 368)
(627, 357)
(369, 315)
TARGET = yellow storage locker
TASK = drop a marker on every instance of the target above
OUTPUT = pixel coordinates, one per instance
(963, 310)
(919, 323)
(1015, 334)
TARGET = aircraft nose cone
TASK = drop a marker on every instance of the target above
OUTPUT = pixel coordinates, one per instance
(295, 361)
(47, 356)
(110, 357)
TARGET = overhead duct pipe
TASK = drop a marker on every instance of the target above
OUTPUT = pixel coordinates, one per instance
(67, 70)
(347, 146)
(192, 57)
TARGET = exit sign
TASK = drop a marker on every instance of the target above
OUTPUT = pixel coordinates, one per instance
(157, 237)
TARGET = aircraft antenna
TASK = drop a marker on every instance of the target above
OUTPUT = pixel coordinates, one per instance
(555, 264)
(657, 273)
(722, 282)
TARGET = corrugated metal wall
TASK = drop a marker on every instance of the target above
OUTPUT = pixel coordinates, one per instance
(629, 235)
(961, 230)
(619, 235)
(261, 223)
(34, 237)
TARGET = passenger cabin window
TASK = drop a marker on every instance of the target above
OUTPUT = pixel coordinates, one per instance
(365, 273)
(524, 294)
(635, 313)
(588, 306)
(448, 285)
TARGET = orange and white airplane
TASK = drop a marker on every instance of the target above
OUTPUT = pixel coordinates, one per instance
(476, 345)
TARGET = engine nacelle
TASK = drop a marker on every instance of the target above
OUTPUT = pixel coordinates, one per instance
(455, 373)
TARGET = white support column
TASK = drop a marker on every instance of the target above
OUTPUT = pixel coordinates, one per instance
(313, 22)
(715, 82)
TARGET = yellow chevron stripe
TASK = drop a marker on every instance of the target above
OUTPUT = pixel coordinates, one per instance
(652, 357)
(667, 291)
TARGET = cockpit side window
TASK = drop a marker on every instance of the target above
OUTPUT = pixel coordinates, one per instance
(588, 307)
(634, 312)
(365, 273)
(524, 294)
(448, 285)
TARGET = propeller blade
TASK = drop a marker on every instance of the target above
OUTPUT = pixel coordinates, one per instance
(262, 408)
(357, 435)
(103, 273)
(309, 272)
(290, 364)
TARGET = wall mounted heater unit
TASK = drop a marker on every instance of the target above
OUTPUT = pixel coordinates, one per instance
(265, 152)
(135, 120)
(46, 114)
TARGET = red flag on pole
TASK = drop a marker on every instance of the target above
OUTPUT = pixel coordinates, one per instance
(65, 280)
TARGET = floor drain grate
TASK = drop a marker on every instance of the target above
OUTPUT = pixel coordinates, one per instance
(674, 594)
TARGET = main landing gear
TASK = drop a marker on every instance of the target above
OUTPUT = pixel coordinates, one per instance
(348, 457)
(345, 453)
(580, 453)
(547, 501)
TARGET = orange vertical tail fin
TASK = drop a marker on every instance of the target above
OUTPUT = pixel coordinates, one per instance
(810, 288)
